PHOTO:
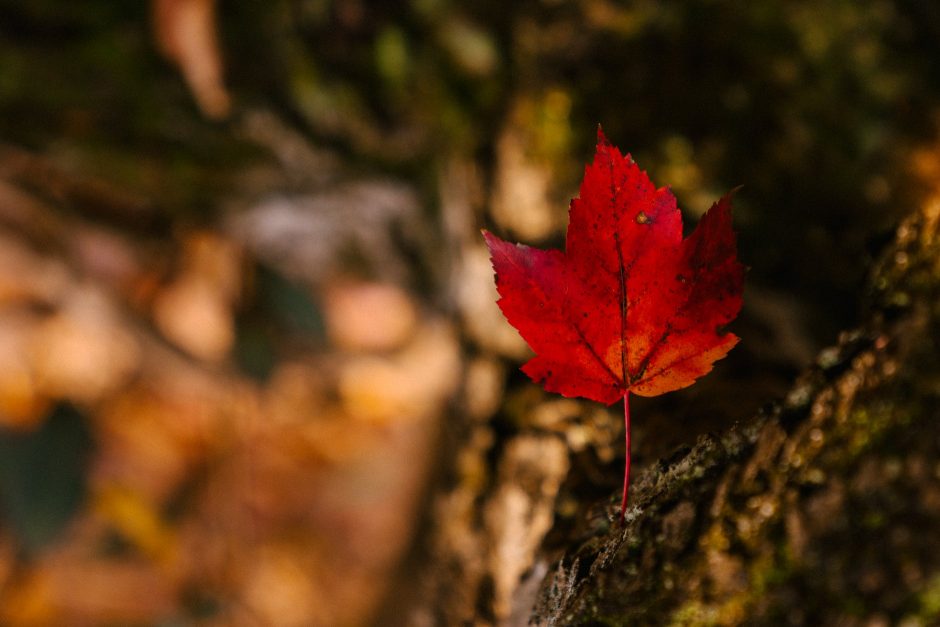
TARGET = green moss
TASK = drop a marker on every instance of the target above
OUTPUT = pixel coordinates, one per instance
(694, 613)
(929, 601)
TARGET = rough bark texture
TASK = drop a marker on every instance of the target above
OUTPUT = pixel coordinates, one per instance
(824, 509)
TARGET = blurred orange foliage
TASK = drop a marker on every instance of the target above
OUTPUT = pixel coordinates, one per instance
(212, 497)
(185, 31)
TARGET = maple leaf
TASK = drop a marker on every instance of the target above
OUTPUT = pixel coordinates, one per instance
(629, 306)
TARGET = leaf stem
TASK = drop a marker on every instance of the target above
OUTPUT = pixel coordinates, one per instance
(626, 466)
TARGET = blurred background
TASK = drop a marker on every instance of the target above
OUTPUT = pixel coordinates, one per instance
(251, 368)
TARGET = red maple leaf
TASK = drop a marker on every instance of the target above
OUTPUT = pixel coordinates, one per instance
(630, 306)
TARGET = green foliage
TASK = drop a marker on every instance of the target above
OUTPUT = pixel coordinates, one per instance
(42, 476)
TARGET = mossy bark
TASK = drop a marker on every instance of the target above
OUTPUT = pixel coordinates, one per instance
(823, 509)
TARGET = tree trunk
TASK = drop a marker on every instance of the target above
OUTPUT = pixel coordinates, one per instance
(822, 509)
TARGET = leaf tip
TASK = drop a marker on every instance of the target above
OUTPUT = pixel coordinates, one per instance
(494, 244)
(726, 200)
(601, 138)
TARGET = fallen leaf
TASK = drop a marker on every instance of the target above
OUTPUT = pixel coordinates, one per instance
(195, 310)
(185, 31)
(84, 352)
(369, 316)
(194, 315)
(629, 306)
(407, 386)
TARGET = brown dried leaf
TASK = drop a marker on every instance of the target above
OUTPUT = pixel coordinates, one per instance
(369, 316)
(185, 31)
(193, 314)
(83, 352)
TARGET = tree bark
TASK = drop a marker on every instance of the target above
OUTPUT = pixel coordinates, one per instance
(823, 509)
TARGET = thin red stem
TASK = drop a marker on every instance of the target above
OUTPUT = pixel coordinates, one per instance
(626, 466)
